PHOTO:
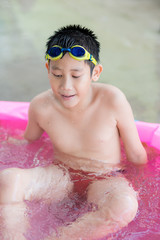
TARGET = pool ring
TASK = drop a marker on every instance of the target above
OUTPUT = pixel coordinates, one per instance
(15, 114)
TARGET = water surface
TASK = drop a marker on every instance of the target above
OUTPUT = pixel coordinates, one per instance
(45, 219)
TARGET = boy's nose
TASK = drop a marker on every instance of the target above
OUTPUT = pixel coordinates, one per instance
(67, 84)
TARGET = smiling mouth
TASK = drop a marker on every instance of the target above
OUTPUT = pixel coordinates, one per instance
(67, 97)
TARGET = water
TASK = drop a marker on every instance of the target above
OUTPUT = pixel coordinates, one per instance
(44, 218)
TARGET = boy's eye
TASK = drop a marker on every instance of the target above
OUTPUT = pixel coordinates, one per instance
(57, 75)
(75, 76)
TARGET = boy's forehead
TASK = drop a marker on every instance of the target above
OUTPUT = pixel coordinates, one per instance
(78, 69)
(67, 63)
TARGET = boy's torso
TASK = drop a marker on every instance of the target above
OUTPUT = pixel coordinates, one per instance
(86, 140)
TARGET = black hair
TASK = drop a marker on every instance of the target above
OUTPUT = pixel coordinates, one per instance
(71, 35)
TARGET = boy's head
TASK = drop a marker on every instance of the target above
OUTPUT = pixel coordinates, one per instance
(69, 36)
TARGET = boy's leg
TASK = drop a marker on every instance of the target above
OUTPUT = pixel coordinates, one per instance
(50, 184)
(16, 185)
(13, 219)
(115, 206)
(116, 201)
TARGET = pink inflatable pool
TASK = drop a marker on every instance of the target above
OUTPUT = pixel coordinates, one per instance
(15, 114)
(146, 226)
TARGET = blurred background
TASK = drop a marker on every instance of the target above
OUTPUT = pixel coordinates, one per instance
(129, 32)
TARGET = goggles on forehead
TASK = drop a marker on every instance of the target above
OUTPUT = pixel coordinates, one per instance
(77, 52)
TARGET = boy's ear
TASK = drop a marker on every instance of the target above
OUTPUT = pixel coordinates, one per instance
(47, 66)
(96, 72)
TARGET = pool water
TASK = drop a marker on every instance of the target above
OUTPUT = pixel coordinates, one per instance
(46, 218)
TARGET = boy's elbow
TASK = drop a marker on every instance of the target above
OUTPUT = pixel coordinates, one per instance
(142, 159)
(139, 159)
(27, 138)
(30, 138)
(33, 133)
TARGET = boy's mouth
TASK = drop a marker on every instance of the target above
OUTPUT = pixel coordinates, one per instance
(67, 97)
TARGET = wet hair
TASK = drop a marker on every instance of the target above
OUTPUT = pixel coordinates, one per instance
(71, 35)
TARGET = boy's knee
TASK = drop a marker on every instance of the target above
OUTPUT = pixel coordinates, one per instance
(50, 183)
(61, 184)
(115, 200)
(122, 208)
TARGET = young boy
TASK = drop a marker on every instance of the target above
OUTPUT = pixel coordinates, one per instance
(85, 121)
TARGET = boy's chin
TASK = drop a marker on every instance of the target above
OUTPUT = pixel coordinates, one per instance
(70, 102)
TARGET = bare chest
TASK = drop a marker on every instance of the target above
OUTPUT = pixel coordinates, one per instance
(95, 138)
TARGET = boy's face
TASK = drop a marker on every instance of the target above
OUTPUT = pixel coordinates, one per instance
(70, 81)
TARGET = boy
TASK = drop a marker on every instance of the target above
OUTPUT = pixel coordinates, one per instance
(85, 121)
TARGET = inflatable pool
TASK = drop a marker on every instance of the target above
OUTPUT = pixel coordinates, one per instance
(14, 115)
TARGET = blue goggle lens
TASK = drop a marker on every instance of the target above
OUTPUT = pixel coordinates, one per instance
(54, 52)
(78, 52)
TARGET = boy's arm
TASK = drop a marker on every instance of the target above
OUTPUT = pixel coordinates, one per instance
(128, 132)
(33, 130)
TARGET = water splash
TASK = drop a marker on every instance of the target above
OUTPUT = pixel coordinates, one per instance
(47, 218)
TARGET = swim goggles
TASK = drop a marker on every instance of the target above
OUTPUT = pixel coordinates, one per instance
(77, 52)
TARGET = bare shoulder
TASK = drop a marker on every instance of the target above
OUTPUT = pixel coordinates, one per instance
(110, 94)
(40, 104)
(42, 100)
